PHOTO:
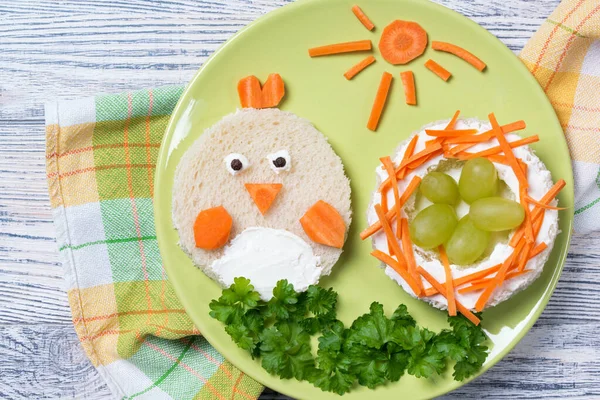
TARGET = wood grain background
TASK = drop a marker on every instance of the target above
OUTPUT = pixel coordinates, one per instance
(69, 49)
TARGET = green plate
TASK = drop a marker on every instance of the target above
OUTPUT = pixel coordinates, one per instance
(278, 42)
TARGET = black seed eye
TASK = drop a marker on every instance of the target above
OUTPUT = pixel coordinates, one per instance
(279, 162)
(236, 165)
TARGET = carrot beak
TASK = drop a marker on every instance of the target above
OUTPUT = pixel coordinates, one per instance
(263, 194)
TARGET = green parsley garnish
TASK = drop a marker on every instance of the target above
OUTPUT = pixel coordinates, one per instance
(374, 350)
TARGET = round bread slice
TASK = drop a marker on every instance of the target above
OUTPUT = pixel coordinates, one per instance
(203, 181)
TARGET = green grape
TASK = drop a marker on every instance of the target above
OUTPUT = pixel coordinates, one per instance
(478, 179)
(439, 188)
(467, 243)
(495, 214)
(433, 226)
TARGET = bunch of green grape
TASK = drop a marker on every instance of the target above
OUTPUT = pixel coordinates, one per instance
(465, 240)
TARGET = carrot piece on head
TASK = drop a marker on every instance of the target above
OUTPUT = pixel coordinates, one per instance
(212, 228)
(250, 92)
(438, 70)
(352, 72)
(273, 91)
(402, 42)
(339, 48)
(410, 93)
(362, 17)
(263, 194)
(323, 224)
(459, 52)
(380, 100)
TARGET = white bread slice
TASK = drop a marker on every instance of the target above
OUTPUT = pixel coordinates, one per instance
(202, 180)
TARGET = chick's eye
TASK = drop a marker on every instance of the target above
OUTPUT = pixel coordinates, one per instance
(280, 161)
(236, 163)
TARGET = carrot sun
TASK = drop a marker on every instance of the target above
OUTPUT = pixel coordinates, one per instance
(400, 43)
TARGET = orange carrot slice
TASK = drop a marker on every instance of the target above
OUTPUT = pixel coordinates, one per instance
(339, 48)
(402, 42)
(352, 72)
(263, 194)
(396, 266)
(449, 282)
(459, 52)
(380, 100)
(410, 93)
(250, 92)
(323, 224)
(408, 251)
(362, 17)
(389, 167)
(438, 70)
(450, 132)
(212, 228)
(272, 91)
(412, 186)
(442, 290)
(499, 149)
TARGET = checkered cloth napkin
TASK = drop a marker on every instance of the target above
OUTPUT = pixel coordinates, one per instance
(101, 154)
(100, 158)
(564, 56)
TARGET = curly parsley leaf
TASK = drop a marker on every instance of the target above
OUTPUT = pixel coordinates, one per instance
(373, 329)
(234, 302)
(284, 301)
(321, 301)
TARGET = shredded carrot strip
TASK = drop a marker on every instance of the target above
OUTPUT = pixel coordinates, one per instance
(482, 284)
(524, 256)
(453, 120)
(380, 100)
(410, 149)
(449, 282)
(537, 250)
(389, 167)
(508, 153)
(442, 290)
(396, 266)
(437, 69)
(338, 48)
(410, 93)
(450, 133)
(362, 17)
(528, 224)
(498, 149)
(352, 72)
(408, 252)
(542, 205)
(459, 52)
(468, 278)
(389, 233)
(420, 157)
(485, 136)
(414, 183)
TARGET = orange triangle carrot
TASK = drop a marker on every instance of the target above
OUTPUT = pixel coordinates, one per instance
(263, 194)
(449, 282)
(362, 17)
(352, 72)
(380, 100)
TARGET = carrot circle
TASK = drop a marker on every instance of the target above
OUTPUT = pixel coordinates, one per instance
(402, 42)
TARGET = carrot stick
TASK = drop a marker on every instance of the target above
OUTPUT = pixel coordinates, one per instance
(482, 284)
(548, 197)
(527, 222)
(453, 120)
(542, 205)
(485, 136)
(499, 149)
(380, 100)
(389, 166)
(468, 278)
(459, 52)
(396, 266)
(338, 48)
(449, 282)
(450, 133)
(362, 17)
(442, 290)
(408, 252)
(524, 257)
(438, 70)
(352, 72)
(422, 160)
(410, 149)
(537, 250)
(413, 162)
(508, 152)
(410, 93)
(250, 92)
(414, 183)
(497, 158)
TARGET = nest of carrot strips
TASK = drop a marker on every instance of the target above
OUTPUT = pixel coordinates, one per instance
(514, 258)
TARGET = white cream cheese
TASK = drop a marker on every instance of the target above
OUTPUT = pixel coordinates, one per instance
(540, 181)
(265, 256)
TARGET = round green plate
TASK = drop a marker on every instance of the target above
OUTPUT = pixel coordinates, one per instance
(317, 90)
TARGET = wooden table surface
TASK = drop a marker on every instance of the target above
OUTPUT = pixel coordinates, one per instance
(68, 49)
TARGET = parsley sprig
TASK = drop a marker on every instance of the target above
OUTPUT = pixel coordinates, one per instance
(374, 350)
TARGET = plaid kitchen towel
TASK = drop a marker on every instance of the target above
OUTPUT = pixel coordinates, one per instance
(100, 158)
(564, 56)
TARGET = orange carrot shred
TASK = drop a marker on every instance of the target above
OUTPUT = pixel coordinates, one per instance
(402, 42)
(438, 70)
(410, 149)
(410, 93)
(507, 149)
(389, 167)
(468, 278)
(449, 282)
(362, 17)
(408, 251)
(380, 100)
(396, 266)
(537, 250)
(482, 284)
(250, 92)
(459, 52)
(389, 233)
(414, 183)
(442, 290)
(352, 72)
(453, 120)
(450, 133)
(485, 136)
(413, 162)
(542, 205)
(338, 48)
(524, 257)
(499, 149)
